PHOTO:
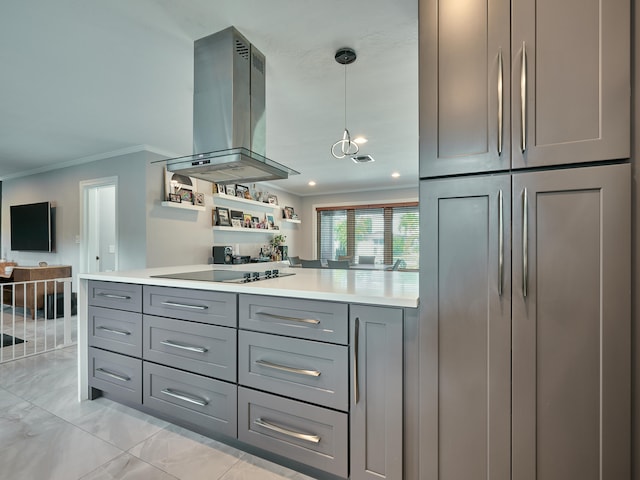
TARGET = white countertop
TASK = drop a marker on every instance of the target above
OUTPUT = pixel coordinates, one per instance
(384, 288)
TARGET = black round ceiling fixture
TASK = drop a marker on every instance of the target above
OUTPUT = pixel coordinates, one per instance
(345, 56)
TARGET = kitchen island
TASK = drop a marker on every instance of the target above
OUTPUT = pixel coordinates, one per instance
(316, 369)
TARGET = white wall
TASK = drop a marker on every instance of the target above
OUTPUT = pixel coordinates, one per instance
(307, 240)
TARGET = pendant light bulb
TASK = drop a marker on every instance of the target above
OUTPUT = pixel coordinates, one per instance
(345, 147)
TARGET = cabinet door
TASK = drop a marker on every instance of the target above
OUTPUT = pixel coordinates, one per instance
(464, 71)
(465, 330)
(376, 395)
(571, 324)
(575, 81)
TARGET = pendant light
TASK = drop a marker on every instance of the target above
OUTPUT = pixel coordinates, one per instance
(344, 147)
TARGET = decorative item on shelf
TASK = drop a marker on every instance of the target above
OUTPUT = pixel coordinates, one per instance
(236, 222)
(270, 222)
(223, 216)
(218, 188)
(174, 197)
(237, 215)
(247, 220)
(294, 216)
(182, 185)
(344, 147)
(198, 198)
(255, 222)
(230, 189)
(272, 199)
(287, 212)
(241, 191)
(256, 194)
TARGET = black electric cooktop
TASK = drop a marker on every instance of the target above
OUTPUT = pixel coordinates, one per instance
(226, 276)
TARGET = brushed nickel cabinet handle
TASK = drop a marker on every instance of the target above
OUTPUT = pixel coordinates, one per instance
(500, 245)
(117, 376)
(285, 431)
(113, 330)
(356, 334)
(523, 99)
(525, 244)
(185, 396)
(184, 305)
(114, 296)
(183, 346)
(500, 103)
(284, 368)
(311, 321)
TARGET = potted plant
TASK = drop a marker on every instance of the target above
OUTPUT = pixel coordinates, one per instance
(277, 243)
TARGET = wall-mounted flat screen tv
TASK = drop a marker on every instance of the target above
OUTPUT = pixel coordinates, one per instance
(32, 227)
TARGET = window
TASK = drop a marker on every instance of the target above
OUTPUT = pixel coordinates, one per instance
(387, 232)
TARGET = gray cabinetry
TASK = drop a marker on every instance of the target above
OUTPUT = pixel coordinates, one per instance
(120, 296)
(465, 293)
(116, 330)
(376, 414)
(563, 313)
(522, 84)
(571, 324)
(118, 376)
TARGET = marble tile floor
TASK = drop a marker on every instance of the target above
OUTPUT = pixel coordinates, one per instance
(46, 434)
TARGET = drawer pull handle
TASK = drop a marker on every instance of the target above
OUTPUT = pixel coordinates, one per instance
(284, 368)
(290, 433)
(122, 378)
(186, 397)
(184, 305)
(113, 295)
(311, 321)
(182, 346)
(113, 330)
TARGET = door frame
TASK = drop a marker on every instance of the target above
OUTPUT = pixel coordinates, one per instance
(85, 187)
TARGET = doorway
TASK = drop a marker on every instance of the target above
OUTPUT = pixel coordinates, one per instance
(99, 225)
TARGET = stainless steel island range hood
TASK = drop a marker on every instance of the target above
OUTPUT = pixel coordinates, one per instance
(229, 127)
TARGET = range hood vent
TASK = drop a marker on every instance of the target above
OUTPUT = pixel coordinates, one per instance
(229, 126)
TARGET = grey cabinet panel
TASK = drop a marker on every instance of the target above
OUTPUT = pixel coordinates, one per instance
(376, 399)
(465, 293)
(577, 81)
(116, 330)
(116, 374)
(120, 296)
(310, 319)
(571, 352)
(460, 52)
(305, 433)
(197, 305)
(205, 349)
(186, 397)
(302, 369)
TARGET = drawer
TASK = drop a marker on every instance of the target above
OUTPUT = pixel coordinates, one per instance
(121, 296)
(116, 330)
(197, 305)
(310, 319)
(116, 374)
(312, 435)
(197, 400)
(305, 370)
(205, 349)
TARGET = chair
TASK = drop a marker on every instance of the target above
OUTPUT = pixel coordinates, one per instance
(396, 265)
(311, 263)
(294, 261)
(367, 259)
(344, 264)
(348, 258)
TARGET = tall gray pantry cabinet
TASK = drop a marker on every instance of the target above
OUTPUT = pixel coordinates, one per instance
(524, 275)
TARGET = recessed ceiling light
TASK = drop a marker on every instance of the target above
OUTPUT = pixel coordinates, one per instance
(360, 140)
(395, 174)
(311, 183)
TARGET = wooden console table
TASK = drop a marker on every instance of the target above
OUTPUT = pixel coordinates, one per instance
(35, 292)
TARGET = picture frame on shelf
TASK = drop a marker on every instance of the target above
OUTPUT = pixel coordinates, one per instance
(198, 199)
(219, 188)
(237, 214)
(270, 222)
(230, 189)
(242, 191)
(272, 199)
(287, 212)
(175, 183)
(255, 222)
(175, 197)
(186, 196)
(236, 222)
(223, 217)
(247, 220)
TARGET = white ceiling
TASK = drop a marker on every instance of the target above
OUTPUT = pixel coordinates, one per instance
(91, 79)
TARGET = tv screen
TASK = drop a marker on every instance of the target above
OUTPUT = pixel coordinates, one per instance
(32, 227)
